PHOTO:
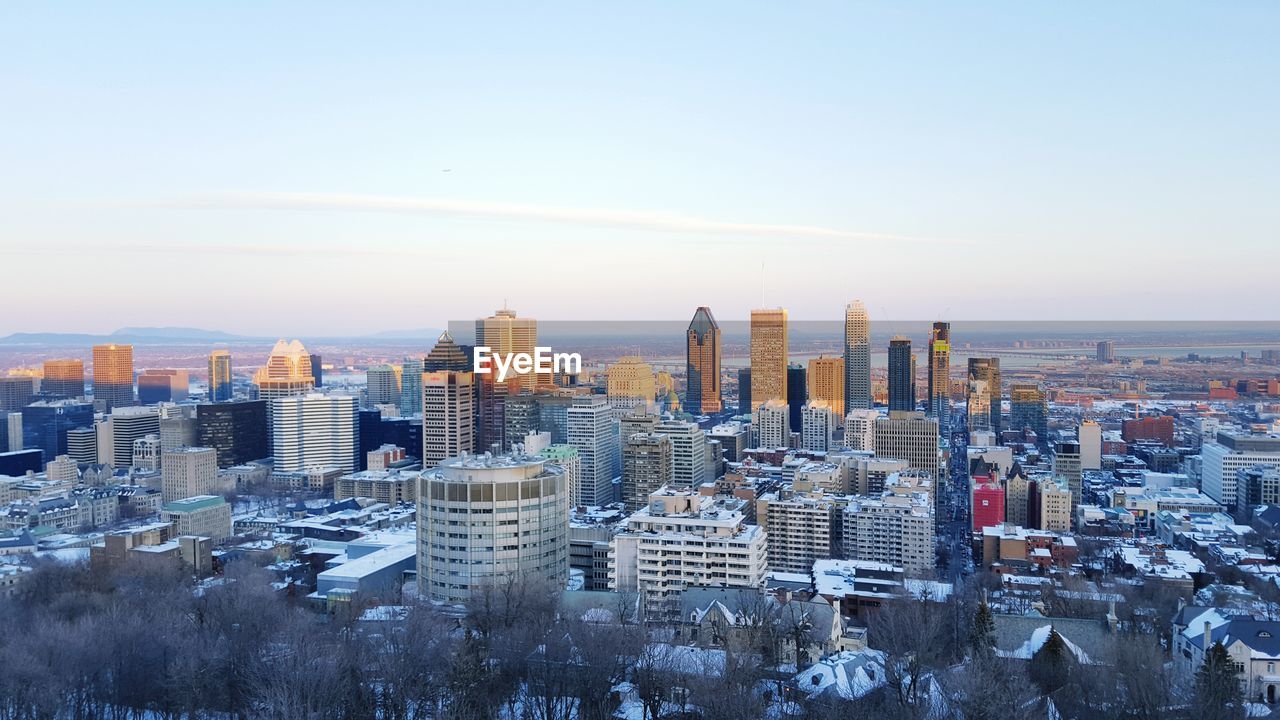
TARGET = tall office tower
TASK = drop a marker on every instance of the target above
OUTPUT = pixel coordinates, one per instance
(1029, 409)
(1090, 435)
(491, 412)
(857, 359)
(288, 372)
(593, 431)
(629, 383)
(768, 356)
(566, 458)
(448, 415)
(902, 375)
(978, 406)
(647, 464)
(826, 379)
(734, 438)
(797, 395)
(236, 430)
(860, 429)
(317, 369)
(744, 392)
(1229, 453)
(220, 376)
(16, 392)
(123, 427)
(187, 472)
(909, 436)
(82, 445)
(688, 452)
(63, 379)
(702, 364)
(382, 383)
(773, 424)
(1066, 466)
(113, 376)
(486, 520)
(637, 422)
(504, 333)
(817, 424)
(987, 369)
(447, 355)
(46, 423)
(157, 386)
(1106, 351)
(940, 373)
(315, 430)
(411, 386)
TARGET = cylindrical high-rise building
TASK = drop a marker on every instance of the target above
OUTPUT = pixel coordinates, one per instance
(485, 519)
(113, 375)
(702, 354)
(63, 379)
(857, 357)
(902, 375)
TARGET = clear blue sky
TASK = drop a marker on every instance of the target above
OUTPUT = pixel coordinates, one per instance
(279, 168)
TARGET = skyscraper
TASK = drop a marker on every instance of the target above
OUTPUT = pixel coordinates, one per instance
(219, 376)
(16, 392)
(447, 355)
(317, 369)
(818, 421)
(504, 333)
(902, 375)
(646, 466)
(629, 383)
(744, 392)
(288, 372)
(113, 375)
(1029, 409)
(237, 430)
(1106, 351)
(411, 386)
(593, 432)
(773, 424)
(768, 356)
(382, 384)
(702, 359)
(909, 436)
(315, 430)
(826, 378)
(987, 370)
(797, 395)
(940, 373)
(448, 415)
(63, 379)
(688, 452)
(857, 359)
(157, 386)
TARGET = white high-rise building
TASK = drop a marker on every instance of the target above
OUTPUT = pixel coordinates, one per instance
(315, 430)
(118, 432)
(484, 519)
(799, 527)
(592, 430)
(448, 415)
(860, 430)
(685, 539)
(1090, 436)
(188, 472)
(857, 356)
(146, 453)
(816, 425)
(14, 428)
(1230, 453)
(896, 528)
(688, 452)
(772, 422)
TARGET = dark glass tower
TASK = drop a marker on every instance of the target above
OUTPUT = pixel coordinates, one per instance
(797, 396)
(902, 375)
(702, 371)
(317, 371)
(940, 373)
(237, 430)
(744, 391)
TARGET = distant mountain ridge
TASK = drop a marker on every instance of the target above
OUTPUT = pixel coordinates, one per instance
(186, 335)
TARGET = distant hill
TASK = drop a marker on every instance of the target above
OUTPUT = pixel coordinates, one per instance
(430, 333)
(173, 333)
(139, 335)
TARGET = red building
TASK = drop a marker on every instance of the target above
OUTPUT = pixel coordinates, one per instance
(987, 500)
(1159, 429)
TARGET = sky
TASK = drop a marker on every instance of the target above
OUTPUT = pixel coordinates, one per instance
(346, 168)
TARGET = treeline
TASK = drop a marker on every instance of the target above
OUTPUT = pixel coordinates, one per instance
(142, 644)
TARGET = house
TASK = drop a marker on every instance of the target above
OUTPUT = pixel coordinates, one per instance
(1019, 637)
(716, 617)
(847, 675)
(1254, 647)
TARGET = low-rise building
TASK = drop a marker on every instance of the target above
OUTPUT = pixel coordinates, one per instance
(203, 515)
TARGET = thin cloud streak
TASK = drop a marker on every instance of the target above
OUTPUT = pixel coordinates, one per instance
(632, 220)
